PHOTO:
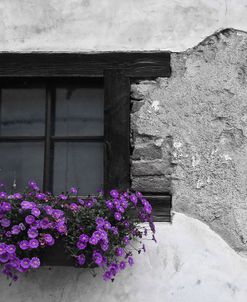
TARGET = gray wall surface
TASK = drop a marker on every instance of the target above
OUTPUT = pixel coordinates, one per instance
(190, 134)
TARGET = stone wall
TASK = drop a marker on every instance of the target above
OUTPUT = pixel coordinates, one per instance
(189, 134)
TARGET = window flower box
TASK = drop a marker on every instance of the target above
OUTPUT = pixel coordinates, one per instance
(36, 228)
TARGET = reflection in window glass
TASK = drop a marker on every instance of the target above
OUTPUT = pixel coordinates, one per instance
(79, 111)
(20, 162)
(22, 111)
(78, 164)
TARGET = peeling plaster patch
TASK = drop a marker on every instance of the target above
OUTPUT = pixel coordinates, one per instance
(202, 118)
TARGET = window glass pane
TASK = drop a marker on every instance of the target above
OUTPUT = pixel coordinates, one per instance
(79, 111)
(22, 111)
(20, 162)
(80, 165)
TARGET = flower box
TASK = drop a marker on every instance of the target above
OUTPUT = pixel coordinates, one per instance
(42, 229)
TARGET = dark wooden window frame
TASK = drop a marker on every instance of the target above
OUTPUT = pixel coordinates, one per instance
(117, 69)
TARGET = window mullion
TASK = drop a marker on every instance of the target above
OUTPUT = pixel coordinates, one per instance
(49, 132)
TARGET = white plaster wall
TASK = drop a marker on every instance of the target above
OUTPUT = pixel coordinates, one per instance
(93, 25)
(190, 263)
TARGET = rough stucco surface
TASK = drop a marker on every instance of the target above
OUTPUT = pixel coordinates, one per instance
(93, 25)
(190, 263)
(190, 134)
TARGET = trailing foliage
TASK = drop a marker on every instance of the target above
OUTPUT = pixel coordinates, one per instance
(96, 231)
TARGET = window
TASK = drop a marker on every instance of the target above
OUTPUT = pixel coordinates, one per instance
(52, 131)
(64, 118)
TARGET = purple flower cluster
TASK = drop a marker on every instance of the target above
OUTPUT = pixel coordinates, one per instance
(98, 231)
(106, 241)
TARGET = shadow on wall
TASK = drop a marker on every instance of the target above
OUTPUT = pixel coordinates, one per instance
(189, 261)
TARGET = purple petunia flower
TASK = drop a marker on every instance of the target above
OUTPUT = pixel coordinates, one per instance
(10, 249)
(106, 276)
(8, 234)
(32, 185)
(2, 248)
(17, 196)
(4, 257)
(99, 228)
(74, 207)
(124, 203)
(61, 228)
(24, 245)
(114, 193)
(120, 209)
(63, 197)
(109, 204)
(107, 225)
(26, 205)
(100, 221)
(35, 262)
(15, 230)
(89, 204)
(44, 223)
(29, 219)
(114, 230)
(6, 206)
(148, 208)
(5, 223)
(97, 257)
(97, 235)
(139, 194)
(48, 238)
(126, 194)
(126, 224)
(32, 233)
(73, 190)
(81, 201)
(52, 242)
(133, 199)
(48, 209)
(117, 216)
(57, 214)
(84, 238)
(122, 265)
(113, 268)
(104, 246)
(81, 259)
(119, 252)
(40, 196)
(15, 262)
(93, 240)
(130, 261)
(3, 195)
(81, 245)
(33, 243)
(126, 240)
(35, 212)
(25, 263)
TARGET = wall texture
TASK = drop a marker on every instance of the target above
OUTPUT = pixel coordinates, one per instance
(190, 134)
(92, 25)
(190, 263)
